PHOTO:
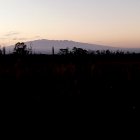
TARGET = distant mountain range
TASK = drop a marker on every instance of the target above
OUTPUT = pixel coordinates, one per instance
(45, 46)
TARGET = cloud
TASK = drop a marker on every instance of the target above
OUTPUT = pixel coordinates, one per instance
(12, 33)
(37, 36)
(16, 38)
(98, 41)
(3, 38)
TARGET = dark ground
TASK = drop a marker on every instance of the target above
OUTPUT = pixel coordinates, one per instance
(71, 86)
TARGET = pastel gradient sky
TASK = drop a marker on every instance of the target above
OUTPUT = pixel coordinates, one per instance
(109, 22)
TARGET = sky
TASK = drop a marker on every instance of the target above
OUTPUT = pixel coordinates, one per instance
(109, 22)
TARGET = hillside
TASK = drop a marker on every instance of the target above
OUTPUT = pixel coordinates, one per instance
(45, 46)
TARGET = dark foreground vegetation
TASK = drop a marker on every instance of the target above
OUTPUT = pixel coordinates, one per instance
(101, 82)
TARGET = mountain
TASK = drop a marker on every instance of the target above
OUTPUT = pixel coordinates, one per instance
(45, 46)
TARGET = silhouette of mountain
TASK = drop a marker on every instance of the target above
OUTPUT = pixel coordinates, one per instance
(45, 46)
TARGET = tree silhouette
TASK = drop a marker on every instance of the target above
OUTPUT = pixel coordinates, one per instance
(64, 51)
(79, 51)
(3, 50)
(0, 51)
(52, 50)
(21, 49)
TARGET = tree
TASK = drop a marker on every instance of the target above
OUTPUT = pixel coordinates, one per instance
(0, 51)
(3, 50)
(64, 51)
(52, 50)
(79, 51)
(21, 49)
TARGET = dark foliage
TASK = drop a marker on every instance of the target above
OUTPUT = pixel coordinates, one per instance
(78, 81)
(21, 49)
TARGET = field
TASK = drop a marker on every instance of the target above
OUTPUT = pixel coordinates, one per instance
(101, 82)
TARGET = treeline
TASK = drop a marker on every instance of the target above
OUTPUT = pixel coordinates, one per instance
(105, 76)
(21, 49)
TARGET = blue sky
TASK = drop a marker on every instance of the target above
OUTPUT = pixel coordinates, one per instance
(108, 22)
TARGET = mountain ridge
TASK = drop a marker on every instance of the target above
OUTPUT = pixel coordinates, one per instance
(45, 46)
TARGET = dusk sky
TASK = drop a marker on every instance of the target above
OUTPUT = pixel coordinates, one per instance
(108, 22)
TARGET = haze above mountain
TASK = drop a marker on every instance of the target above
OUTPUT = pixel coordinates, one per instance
(45, 46)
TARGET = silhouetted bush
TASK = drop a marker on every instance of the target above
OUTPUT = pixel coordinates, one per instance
(21, 49)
